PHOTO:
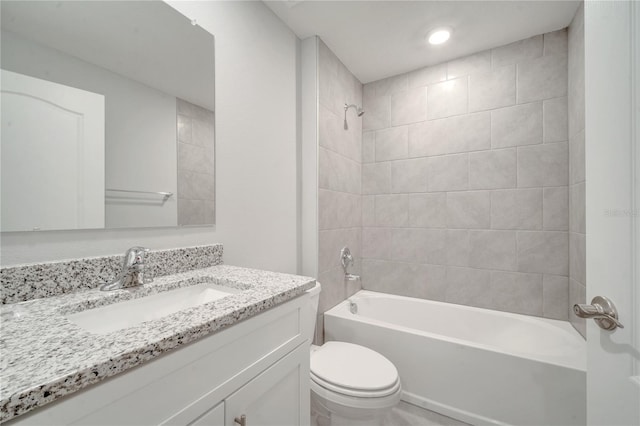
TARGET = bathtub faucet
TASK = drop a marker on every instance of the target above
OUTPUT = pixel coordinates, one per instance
(346, 259)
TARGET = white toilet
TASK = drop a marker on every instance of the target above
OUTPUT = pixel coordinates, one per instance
(350, 384)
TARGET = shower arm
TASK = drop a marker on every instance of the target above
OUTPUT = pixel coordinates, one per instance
(359, 112)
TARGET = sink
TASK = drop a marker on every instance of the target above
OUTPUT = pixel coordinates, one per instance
(117, 316)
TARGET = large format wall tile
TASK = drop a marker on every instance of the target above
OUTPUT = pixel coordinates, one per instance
(376, 178)
(493, 250)
(478, 62)
(341, 153)
(447, 98)
(492, 89)
(516, 125)
(429, 75)
(529, 48)
(469, 210)
(448, 172)
(392, 143)
(338, 173)
(494, 169)
(556, 124)
(544, 252)
(543, 165)
(338, 210)
(467, 200)
(428, 210)
(392, 210)
(418, 245)
(555, 203)
(392, 85)
(409, 175)
(555, 43)
(378, 113)
(516, 292)
(555, 297)
(405, 279)
(542, 78)
(452, 135)
(517, 209)
(409, 106)
(467, 286)
(458, 247)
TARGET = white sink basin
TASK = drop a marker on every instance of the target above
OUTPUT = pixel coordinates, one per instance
(117, 316)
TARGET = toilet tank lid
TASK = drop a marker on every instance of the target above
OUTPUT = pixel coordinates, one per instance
(353, 366)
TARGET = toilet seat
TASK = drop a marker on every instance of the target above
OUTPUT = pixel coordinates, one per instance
(353, 371)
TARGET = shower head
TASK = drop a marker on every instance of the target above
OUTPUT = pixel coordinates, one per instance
(358, 109)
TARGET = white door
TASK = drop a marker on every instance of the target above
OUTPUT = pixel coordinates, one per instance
(52, 155)
(612, 82)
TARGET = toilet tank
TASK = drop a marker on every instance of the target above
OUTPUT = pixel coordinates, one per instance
(311, 311)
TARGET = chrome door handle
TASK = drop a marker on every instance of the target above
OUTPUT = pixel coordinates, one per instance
(602, 310)
(242, 420)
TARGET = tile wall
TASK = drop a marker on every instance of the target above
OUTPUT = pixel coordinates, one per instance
(465, 180)
(577, 228)
(339, 177)
(196, 164)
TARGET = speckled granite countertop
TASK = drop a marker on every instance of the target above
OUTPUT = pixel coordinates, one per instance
(44, 356)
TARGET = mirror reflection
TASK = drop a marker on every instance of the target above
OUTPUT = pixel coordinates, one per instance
(107, 116)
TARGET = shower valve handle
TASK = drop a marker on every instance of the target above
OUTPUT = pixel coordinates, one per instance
(602, 310)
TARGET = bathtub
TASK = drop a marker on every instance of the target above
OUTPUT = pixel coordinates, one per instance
(475, 365)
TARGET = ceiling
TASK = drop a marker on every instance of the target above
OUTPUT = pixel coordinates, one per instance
(378, 39)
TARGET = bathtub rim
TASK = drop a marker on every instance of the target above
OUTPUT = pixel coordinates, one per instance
(579, 364)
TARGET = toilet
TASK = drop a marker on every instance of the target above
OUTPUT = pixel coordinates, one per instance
(350, 384)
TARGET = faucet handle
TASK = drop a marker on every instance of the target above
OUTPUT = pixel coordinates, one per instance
(135, 256)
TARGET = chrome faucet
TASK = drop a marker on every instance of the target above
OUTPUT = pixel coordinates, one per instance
(133, 272)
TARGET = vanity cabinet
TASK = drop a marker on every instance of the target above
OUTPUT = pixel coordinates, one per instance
(258, 367)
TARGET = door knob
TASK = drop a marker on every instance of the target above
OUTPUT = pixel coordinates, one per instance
(602, 310)
(242, 420)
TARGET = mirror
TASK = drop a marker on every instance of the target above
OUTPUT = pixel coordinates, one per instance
(107, 116)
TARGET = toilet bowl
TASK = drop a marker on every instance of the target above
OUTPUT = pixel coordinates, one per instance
(350, 384)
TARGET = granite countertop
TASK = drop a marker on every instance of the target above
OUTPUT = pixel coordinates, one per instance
(44, 356)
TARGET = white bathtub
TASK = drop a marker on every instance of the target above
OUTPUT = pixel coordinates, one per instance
(475, 365)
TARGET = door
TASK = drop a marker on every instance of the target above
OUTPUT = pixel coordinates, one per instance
(612, 62)
(58, 131)
(279, 396)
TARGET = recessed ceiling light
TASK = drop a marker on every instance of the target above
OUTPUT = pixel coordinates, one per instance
(439, 35)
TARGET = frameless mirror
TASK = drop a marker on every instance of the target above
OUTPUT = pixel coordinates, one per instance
(107, 116)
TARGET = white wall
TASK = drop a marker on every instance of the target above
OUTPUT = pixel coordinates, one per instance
(255, 149)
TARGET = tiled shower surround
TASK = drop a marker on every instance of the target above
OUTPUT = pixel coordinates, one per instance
(577, 225)
(339, 180)
(465, 176)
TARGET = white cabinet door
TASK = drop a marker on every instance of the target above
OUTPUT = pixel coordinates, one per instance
(277, 397)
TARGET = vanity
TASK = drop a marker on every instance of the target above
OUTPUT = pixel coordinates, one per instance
(235, 354)
(118, 125)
